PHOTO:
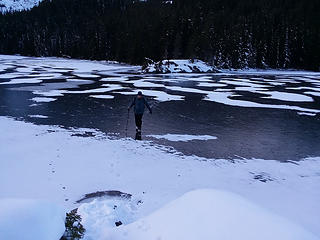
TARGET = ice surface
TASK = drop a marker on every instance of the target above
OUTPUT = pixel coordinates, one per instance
(275, 85)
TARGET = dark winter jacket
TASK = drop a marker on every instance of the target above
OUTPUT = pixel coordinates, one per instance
(139, 105)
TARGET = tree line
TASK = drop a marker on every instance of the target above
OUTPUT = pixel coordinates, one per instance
(224, 33)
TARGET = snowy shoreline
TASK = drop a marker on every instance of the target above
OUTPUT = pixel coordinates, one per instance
(47, 162)
(183, 66)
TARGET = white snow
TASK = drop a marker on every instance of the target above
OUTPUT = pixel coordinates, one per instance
(178, 66)
(304, 88)
(102, 96)
(142, 83)
(183, 137)
(9, 76)
(22, 80)
(223, 97)
(37, 116)
(56, 166)
(291, 97)
(114, 79)
(86, 75)
(54, 64)
(17, 5)
(317, 94)
(210, 214)
(27, 219)
(43, 99)
(307, 114)
(100, 214)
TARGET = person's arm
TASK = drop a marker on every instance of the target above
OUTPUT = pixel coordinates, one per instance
(132, 104)
(148, 106)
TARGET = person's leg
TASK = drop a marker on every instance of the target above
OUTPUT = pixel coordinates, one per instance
(138, 119)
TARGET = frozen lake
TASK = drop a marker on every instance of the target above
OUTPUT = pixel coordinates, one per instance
(248, 114)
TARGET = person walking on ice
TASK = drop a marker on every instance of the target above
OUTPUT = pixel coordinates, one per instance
(139, 103)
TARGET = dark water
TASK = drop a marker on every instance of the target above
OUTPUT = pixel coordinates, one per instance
(264, 133)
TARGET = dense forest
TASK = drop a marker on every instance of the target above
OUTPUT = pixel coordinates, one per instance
(225, 33)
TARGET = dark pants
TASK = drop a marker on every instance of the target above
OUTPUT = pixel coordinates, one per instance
(138, 118)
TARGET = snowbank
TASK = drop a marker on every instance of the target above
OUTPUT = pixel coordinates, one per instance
(210, 214)
(22, 219)
(98, 215)
(178, 66)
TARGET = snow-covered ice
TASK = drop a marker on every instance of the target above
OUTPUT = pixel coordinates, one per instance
(227, 84)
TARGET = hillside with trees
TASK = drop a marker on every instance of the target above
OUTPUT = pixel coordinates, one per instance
(224, 33)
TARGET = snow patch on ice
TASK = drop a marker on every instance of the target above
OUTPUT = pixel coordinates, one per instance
(183, 137)
(102, 96)
(307, 114)
(223, 97)
(21, 81)
(38, 116)
(317, 94)
(291, 97)
(43, 99)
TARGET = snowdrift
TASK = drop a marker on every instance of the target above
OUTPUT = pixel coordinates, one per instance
(178, 66)
(208, 215)
(22, 219)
